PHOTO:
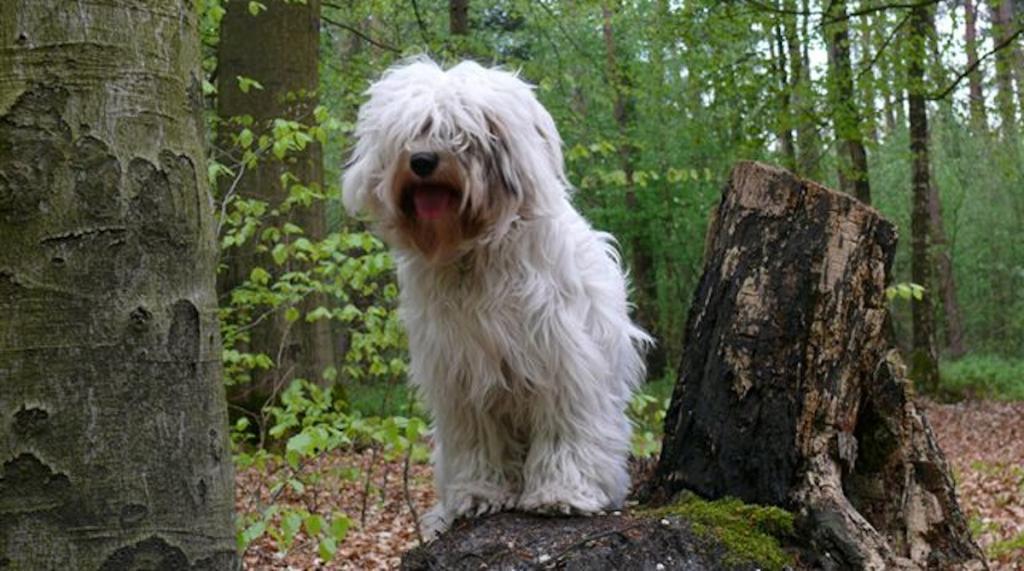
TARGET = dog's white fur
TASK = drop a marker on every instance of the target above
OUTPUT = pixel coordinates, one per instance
(520, 341)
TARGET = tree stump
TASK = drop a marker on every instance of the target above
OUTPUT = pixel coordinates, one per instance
(789, 393)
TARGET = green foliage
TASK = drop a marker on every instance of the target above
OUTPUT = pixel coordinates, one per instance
(983, 376)
(904, 292)
(1000, 549)
(314, 422)
(647, 413)
(751, 533)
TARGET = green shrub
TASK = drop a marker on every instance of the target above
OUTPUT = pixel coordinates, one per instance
(983, 376)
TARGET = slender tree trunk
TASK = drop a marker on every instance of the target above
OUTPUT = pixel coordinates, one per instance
(808, 145)
(924, 362)
(458, 17)
(114, 450)
(866, 31)
(853, 163)
(280, 49)
(642, 266)
(941, 249)
(1005, 104)
(953, 322)
(785, 114)
(976, 95)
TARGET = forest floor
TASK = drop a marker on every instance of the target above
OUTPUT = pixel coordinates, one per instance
(983, 440)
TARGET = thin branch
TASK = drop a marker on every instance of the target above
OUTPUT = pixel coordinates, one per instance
(881, 49)
(829, 20)
(405, 484)
(969, 69)
(357, 32)
(419, 20)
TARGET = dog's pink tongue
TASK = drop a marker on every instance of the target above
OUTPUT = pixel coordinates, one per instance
(431, 202)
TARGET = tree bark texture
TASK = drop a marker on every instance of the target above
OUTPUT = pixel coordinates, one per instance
(788, 393)
(924, 360)
(113, 429)
(280, 49)
(458, 17)
(853, 158)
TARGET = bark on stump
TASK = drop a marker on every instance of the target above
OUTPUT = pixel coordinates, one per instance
(789, 393)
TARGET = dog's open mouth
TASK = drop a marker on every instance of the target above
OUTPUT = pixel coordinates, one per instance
(429, 202)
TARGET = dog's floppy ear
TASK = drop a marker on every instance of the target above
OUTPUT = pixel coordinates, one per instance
(500, 164)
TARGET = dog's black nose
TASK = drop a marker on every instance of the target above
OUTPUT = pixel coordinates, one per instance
(423, 163)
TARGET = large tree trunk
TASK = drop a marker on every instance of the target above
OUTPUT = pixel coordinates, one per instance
(113, 440)
(924, 361)
(788, 393)
(975, 93)
(280, 49)
(853, 158)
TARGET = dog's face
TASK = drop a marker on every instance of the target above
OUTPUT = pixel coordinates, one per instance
(447, 159)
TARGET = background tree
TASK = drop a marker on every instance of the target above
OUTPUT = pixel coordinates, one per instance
(852, 157)
(268, 82)
(924, 361)
(113, 443)
(976, 93)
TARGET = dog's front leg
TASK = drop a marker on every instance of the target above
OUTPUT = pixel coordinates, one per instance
(580, 436)
(474, 464)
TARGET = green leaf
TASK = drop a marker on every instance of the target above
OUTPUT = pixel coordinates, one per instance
(246, 83)
(259, 276)
(280, 148)
(314, 524)
(291, 522)
(291, 315)
(256, 7)
(279, 253)
(245, 138)
(252, 533)
(301, 443)
(328, 548)
(339, 527)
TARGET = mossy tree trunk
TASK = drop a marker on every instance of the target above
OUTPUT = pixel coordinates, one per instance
(279, 48)
(924, 356)
(788, 393)
(113, 444)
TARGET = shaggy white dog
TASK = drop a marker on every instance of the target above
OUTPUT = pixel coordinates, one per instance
(520, 340)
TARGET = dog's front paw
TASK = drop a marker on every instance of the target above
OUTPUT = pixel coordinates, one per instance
(435, 522)
(555, 501)
(480, 504)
